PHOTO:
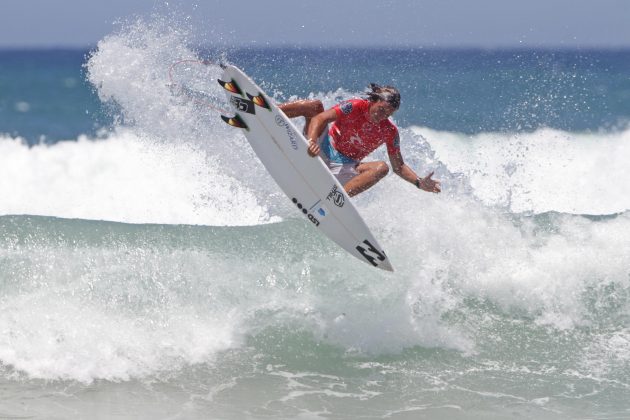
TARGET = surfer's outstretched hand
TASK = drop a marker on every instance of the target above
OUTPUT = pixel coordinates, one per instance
(430, 185)
(313, 149)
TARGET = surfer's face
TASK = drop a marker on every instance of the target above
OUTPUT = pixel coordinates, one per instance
(381, 110)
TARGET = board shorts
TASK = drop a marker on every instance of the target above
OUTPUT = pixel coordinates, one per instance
(341, 166)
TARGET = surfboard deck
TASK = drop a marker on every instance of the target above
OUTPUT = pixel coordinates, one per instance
(308, 183)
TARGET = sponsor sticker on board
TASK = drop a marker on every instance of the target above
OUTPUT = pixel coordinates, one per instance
(336, 196)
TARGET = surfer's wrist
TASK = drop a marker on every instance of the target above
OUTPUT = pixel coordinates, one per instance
(417, 183)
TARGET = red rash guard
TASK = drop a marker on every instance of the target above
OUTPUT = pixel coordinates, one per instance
(356, 136)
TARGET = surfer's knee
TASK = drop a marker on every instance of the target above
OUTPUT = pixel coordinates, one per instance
(304, 108)
(381, 169)
(311, 108)
(317, 107)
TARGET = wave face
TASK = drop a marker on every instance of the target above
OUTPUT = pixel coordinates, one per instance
(158, 266)
(221, 310)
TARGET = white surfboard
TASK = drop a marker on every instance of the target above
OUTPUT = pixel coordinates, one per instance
(307, 181)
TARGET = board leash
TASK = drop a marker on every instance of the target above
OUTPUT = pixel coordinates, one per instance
(192, 95)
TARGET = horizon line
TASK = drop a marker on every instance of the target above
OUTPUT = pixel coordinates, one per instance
(89, 47)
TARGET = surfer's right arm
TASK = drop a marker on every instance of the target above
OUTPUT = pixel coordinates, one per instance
(316, 128)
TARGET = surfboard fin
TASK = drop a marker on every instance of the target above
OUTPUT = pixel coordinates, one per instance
(259, 100)
(230, 86)
(235, 121)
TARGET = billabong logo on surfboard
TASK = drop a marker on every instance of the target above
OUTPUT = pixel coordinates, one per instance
(371, 254)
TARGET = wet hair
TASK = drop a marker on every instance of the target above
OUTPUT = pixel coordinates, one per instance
(388, 94)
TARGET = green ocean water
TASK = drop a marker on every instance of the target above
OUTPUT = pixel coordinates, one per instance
(249, 322)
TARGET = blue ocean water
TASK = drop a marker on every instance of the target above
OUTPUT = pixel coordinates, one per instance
(468, 91)
(150, 268)
(45, 94)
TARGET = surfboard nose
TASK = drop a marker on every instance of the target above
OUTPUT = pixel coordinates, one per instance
(385, 265)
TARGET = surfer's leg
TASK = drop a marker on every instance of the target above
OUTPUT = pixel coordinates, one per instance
(368, 175)
(306, 108)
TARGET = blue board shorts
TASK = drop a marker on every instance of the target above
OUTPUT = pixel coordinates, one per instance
(341, 166)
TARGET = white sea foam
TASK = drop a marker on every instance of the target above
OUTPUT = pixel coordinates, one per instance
(547, 170)
(540, 267)
(84, 321)
(123, 178)
(72, 341)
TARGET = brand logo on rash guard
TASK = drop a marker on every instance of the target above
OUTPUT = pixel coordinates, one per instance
(346, 107)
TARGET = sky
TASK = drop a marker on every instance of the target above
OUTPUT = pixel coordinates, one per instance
(419, 23)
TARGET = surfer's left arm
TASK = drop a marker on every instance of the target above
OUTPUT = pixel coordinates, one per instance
(406, 173)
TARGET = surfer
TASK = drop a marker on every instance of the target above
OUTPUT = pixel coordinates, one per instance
(359, 126)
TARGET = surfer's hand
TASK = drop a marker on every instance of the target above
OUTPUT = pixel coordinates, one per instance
(429, 185)
(313, 148)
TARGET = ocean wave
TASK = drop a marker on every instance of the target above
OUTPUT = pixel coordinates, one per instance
(119, 301)
(128, 178)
